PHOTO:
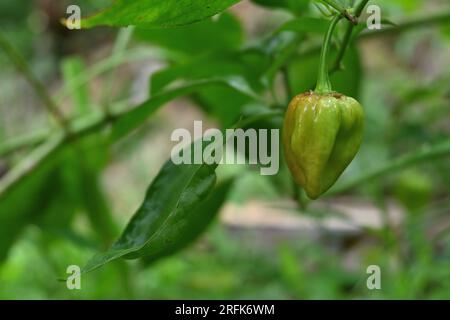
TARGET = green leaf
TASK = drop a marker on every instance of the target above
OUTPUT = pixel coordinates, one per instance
(176, 209)
(17, 210)
(348, 81)
(225, 103)
(186, 233)
(224, 33)
(222, 103)
(30, 179)
(156, 13)
(61, 204)
(246, 64)
(96, 205)
(82, 175)
(296, 6)
(129, 120)
(71, 69)
(20, 202)
(171, 202)
(306, 25)
(281, 47)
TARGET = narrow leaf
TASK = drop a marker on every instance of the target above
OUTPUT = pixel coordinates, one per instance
(21, 199)
(129, 120)
(306, 25)
(174, 195)
(195, 39)
(71, 68)
(156, 13)
(183, 233)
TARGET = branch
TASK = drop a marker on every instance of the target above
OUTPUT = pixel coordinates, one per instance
(32, 139)
(47, 150)
(37, 85)
(23, 141)
(79, 130)
(348, 34)
(29, 164)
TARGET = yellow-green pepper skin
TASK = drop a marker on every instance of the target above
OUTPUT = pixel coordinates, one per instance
(321, 136)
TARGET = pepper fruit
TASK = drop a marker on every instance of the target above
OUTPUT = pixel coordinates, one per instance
(321, 136)
(322, 132)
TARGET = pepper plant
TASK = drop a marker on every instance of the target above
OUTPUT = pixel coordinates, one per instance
(208, 61)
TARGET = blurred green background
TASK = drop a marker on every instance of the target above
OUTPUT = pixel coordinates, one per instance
(261, 246)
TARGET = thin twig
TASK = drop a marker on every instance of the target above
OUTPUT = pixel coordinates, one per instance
(23, 141)
(37, 85)
(348, 34)
(337, 65)
(120, 45)
(30, 163)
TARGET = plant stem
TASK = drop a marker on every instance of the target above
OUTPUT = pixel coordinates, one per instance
(298, 196)
(120, 45)
(348, 34)
(30, 163)
(37, 85)
(23, 141)
(323, 82)
(337, 65)
(343, 11)
(360, 7)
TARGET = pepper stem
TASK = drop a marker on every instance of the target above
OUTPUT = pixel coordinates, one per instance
(323, 85)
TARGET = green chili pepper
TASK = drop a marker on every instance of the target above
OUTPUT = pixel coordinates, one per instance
(321, 136)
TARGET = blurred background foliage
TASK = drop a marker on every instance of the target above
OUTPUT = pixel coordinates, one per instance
(73, 210)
